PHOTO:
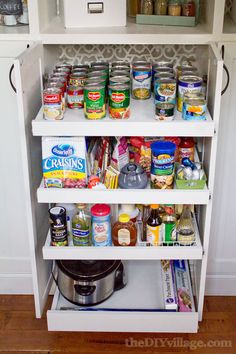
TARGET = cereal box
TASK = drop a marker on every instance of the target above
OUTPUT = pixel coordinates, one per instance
(183, 283)
(64, 162)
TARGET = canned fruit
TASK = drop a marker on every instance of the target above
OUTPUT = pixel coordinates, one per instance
(75, 97)
(52, 104)
(141, 83)
(165, 111)
(194, 107)
(188, 84)
(94, 101)
(165, 90)
(119, 101)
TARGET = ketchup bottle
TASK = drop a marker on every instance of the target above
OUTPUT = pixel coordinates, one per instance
(186, 149)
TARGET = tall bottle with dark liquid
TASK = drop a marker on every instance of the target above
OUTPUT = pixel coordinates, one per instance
(154, 226)
(185, 229)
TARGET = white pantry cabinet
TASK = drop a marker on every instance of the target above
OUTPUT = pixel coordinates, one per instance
(30, 67)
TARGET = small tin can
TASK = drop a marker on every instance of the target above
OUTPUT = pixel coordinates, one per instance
(120, 63)
(141, 82)
(75, 97)
(94, 101)
(188, 84)
(169, 229)
(141, 63)
(186, 67)
(194, 107)
(99, 63)
(58, 80)
(84, 67)
(121, 67)
(63, 66)
(119, 80)
(78, 71)
(162, 69)
(96, 80)
(77, 79)
(60, 75)
(119, 101)
(165, 111)
(165, 90)
(163, 63)
(58, 226)
(119, 73)
(101, 74)
(52, 104)
(164, 75)
(59, 85)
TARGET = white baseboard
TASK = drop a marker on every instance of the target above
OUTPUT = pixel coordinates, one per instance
(221, 285)
(14, 284)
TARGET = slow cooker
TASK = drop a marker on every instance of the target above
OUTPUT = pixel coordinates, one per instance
(89, 282)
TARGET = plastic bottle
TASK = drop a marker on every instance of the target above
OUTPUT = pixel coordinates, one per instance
(124, 232)
(70, 212)
(186, 149)
(154, 226)
(81, 227)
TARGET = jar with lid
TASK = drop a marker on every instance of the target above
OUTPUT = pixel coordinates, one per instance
(124, 232)
(174, 8)
(147, 7)
(101, 225)
(133, 7)
(189, 8)
(161, 7)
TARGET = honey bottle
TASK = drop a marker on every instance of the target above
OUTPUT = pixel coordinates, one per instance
(124, 232)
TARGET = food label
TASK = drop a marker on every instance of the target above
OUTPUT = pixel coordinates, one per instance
(80, 237)
(94, 104)
(163, 164)
(185, 88)
(194, 112)
(64, 163)
(124, 237)
(165, 92)
(76, 100)
(154, 234)
(141, 84)
(119, 104)
(169, 232)
(186, 152)
(101, 234)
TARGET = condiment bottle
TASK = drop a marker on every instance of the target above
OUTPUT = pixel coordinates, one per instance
(154, 226)
(169, 225)
(185, 229)
(189, 8)
(174, 8)
(186, 149)
(145, 216)
(81, 227)
(147, 7)
(124, 232)
(161, 7)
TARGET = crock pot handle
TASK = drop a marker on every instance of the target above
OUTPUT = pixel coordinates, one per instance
(120, 278)
(84, 290)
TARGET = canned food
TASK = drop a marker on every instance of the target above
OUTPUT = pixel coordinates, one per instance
(165, 111)
(120, 63)
(166, 64)
(99, 63)
(63, 66)
(119, 73)
(104, 69)
(52, 104)
(59, 85)
(75, 97)
(77, 79)
(81, 66)
(62, 69)
(164, 75)
(101, 74)
(141, 83)
(141, 63)
(96, 80)
(58, 80)
(165, 90)
(94, 101)
(169, 229)
(121, 67)
(119, 101)
(119, 80)
(188, 84)
(163, 69)
(186, 67)
(58, 226)
(79, 70)
(194, 107)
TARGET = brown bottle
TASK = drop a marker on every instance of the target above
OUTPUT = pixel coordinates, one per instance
(124, 232)
(154, 226)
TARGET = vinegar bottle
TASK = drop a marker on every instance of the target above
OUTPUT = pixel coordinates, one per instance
(154, 226)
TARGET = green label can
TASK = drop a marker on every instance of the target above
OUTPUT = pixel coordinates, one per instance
(94, 101)
(169, 232)
(119, 101)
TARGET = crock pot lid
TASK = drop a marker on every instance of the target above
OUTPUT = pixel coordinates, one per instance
(81, 269)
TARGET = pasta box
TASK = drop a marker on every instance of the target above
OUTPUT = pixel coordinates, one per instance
(84, 13)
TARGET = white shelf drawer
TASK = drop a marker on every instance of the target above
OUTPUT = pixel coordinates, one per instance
(135, 253)
(141, 298)
(141, 123)
(119, 196)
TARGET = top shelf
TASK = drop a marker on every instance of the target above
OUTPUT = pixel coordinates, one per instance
(55, 33)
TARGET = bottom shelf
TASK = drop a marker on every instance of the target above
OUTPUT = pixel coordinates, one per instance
(139, 307)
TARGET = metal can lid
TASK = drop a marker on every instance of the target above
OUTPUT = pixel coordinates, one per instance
(191, 79)
(78, 74)
(95, 80)
(99, 63)
(96, 86)
(165, 105)
(141, 63)
(163, 63)
(120, 79)
(52, 90)
(164, 77)
(141, 68)
(119, 87)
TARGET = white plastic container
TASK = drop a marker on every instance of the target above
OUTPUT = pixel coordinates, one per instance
(94, 13)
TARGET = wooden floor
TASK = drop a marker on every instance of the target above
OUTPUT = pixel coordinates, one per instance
(21, 333)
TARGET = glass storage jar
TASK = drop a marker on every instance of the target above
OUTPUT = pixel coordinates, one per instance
(133, 7)
(189, 8)
(174, 8)
(147, 7)
(161, 7)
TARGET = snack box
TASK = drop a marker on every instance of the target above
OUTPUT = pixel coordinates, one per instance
(64, 162)
(169, 285)
(183, 285)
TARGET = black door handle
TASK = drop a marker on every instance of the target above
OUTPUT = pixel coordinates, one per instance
(226, 70)
(10, 78)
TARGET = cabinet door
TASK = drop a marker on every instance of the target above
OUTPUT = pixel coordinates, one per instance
(28, 74)
(222, 257)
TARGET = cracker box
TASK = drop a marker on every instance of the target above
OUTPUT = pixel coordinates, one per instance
(183, 284)
(64, 162)
(169, 286)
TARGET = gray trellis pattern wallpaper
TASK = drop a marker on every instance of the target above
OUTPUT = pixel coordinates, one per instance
(87, 53)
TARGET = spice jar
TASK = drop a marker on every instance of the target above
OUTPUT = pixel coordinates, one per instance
(189, 8)
(161, 7)
(147, 7)
(133, 7)
(174, 8)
